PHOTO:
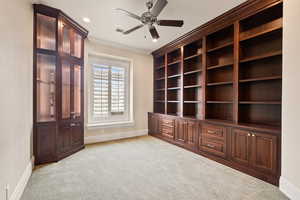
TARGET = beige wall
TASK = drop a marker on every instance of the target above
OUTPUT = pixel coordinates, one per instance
(291, 94)
(142, 86)
(16, 91)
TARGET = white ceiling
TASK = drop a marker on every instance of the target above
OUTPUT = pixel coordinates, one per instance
(104, 19)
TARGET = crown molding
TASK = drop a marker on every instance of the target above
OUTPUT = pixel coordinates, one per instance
(118, 45)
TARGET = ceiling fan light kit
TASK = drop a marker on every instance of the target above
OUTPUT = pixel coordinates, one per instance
(149, 18)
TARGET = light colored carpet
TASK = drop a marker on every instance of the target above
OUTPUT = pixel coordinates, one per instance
(143, 168)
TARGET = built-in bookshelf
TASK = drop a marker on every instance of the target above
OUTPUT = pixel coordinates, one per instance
(260, 67)
(219, 74)
(231, 74)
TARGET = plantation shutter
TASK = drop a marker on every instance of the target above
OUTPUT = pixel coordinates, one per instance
(100, 90)
(117, 90)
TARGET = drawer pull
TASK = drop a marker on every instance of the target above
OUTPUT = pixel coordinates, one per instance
(210, 145)
(211, 132)
(72, 124)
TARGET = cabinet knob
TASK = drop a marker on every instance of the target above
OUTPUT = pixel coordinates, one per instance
(210, 145)
(249, 134)
(253, 135)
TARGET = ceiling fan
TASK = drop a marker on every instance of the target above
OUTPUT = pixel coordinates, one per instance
(149, 18)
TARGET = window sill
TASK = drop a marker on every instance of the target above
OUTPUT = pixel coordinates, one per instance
(110, 125)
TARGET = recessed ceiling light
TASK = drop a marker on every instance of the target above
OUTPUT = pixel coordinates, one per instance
(154, 40)
(86, 20)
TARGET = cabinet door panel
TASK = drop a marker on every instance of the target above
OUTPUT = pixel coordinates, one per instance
(240, 146)
(180, 130)
(77, 136)
(192, 133)
(46, 143)
(66, 90)
(264, 152)
(64, 138)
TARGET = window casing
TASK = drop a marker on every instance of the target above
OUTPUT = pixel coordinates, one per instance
(110, 91)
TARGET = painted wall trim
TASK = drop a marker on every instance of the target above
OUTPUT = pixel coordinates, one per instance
(18, 191)
(289, 189)
(114, 136)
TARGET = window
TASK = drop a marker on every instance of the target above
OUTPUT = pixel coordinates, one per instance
(110, 91)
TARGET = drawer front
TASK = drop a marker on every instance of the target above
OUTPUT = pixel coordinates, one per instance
(212, 146)
(167, 131)
(214, 132)
(168, 122)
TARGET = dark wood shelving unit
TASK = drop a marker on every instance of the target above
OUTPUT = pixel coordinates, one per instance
(58, 85)
(222, 83)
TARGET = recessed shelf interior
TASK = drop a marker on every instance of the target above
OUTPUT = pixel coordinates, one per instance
(192, 50)
(219, 111)
(174, 56)
(220, 38)
(260, 114)
(261, 18)
(220, 75)
(219, 93)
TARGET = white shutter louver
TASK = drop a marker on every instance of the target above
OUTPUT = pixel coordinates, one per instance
(117, 90)
(100, 90)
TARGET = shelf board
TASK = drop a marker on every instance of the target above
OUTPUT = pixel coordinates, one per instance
(174, 76)
(192, 86)
(267, 55)
(219, 83)
(159, 101)
(220, 65)
(268, 78)
(174, 114)
(261, 102)
(161, 89)
(261, 30)
(159, 67)
(173, 101)
(220, 102)
(159, 79)
(192, 101)
(220, 47)
(193, 72)
(174, 88)
(175, 62)
(193, 56)
(258, 127)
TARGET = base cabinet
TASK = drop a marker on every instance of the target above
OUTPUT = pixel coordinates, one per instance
(250, 151)
(256, 150)
(187, 132)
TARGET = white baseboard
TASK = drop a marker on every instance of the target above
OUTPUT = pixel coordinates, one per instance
(289, 189)
(18, 191)
(114, 136)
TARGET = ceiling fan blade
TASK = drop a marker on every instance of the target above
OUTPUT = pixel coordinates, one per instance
(153, 32)
(132, 29)
(129, 14)
(158, 7)
(176, 23)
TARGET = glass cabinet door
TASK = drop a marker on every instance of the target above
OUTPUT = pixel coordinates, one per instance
(77, 45)
(66, 39)
(77, 91)
(46, 32)
(66, 90)
(45, 78)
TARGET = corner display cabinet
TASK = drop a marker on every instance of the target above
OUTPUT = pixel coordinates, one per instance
(58, 84)
(217, 89)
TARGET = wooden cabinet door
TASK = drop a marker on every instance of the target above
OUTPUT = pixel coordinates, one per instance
(151, 125)
(77, 136)
(64, 138)
(192, 133)
(240, 146)
(264, 152)
(180, 130)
